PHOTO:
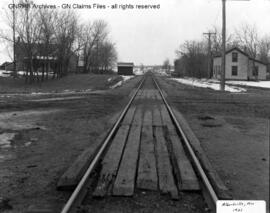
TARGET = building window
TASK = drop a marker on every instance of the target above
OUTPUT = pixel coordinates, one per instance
(234, 57)
(255, 71)
(234, 70)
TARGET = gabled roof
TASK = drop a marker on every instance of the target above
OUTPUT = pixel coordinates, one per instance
(125, 64)
(233, 49)
(242, 52)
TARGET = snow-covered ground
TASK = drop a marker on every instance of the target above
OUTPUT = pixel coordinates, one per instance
(138, 71)
(125, 78)
(205, 83)
(4, 73)
(264, 84)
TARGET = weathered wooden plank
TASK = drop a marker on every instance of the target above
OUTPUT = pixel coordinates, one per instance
(149, 95)
(184, 169)
(129, 116)
(147, 119)
(164, 93)
(125, 179)
(165, 175)
(138, 95)
(157, 121)
(220, 188)
(166, 119)
(153, 93)
(137, 120)
(143, 94)
(147, 172)
(158, 96)
(111, 161)
(74, 173)
(72, 176)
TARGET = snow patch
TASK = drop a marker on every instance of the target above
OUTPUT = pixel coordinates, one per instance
(125, 78)
(28, 143)
(57, 99)
(5, 139)
(208, 83)
(4, 73)
(263, 84)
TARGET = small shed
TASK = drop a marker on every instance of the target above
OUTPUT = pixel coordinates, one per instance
(125, 68)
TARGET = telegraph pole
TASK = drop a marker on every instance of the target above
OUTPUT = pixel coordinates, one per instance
(209, 34)
(14, 42)
(223, 54)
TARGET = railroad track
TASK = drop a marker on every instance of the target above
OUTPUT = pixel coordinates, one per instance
(147, 149)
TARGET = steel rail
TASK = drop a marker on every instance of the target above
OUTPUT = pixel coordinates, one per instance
(68, 206)
(197, 163)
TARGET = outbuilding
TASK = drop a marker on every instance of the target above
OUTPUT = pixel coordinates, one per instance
(124, 68)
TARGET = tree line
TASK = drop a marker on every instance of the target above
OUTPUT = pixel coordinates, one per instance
(192, 55)
(55, 41)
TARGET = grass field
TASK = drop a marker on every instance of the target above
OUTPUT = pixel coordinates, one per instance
(72, 82)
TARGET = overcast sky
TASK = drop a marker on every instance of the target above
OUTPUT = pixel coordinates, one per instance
(150, 36)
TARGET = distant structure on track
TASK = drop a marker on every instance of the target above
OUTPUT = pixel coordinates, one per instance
(124, 68)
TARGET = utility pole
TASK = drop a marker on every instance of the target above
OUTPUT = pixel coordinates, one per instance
(14, 43)
(223, 54)
(209, 34)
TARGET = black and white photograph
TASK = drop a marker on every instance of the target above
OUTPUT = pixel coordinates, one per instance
(134, 106)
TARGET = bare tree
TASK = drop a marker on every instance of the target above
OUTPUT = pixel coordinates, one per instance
(217, 41)
(54, 40)
(28, 31)
(264, 49)
(65, 34)
(98, 53)
(101, 32)
(166, 65)
(192, 59)
(107, 56)
(47, 38)
(248, 39)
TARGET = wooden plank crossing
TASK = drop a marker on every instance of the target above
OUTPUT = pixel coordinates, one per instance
(185, 172)
(147, 172)
(166, 119)
(111, 162)
(137, 120)
(146, 153)
(157, 121)
(165, 172)
(129, 116)
(125, 180)
(147, 119)
(186, 176)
